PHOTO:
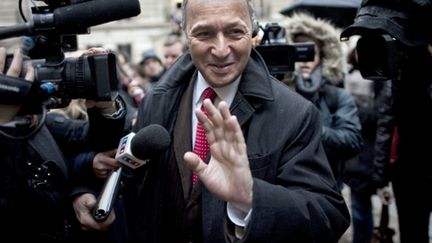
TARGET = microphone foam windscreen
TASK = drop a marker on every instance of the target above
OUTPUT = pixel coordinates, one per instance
(94, 12)
(149, 141)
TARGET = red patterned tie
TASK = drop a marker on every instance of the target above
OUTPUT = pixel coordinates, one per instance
(201, 147)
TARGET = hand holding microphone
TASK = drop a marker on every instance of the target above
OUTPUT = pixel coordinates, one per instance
(104, 163)
(134, 150)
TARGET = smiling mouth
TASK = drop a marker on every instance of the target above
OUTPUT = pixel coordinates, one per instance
(221, 68)
(221, 65)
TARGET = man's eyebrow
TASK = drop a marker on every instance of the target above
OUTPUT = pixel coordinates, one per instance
(236, 24)
(200, 26)
(209, 26)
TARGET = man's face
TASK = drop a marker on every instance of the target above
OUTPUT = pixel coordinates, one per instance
(152, 67)
(219, 38)
(171, 53)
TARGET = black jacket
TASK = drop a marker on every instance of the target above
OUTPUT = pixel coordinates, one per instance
(369, 170)
(33, 189)
(35, 178)
(295, 194)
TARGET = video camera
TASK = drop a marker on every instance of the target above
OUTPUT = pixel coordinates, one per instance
(279, 56)
(377, 56)
(53, 31)
(386, 30)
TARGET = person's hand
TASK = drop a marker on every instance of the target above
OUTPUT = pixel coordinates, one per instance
(83, 206)
(8, 112)
(227, 175)
(94, 51)
(385, 194)
(104, 163)
(256, 41)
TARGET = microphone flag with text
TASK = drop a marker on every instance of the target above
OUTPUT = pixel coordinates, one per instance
(134, 150)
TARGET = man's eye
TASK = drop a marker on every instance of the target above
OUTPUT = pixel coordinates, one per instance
(202, 34)
(236, 32)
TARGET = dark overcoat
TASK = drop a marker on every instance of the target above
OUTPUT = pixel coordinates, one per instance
(295, 196)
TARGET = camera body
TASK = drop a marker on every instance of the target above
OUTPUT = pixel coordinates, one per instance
(61, 79)
(279, 56)
(377, 56)
(386, 30)
(88, 77)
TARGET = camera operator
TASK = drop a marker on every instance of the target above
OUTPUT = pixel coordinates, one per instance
(35, 176)
(396, 43)
(92, 161)
(33, 204)
(318, 81)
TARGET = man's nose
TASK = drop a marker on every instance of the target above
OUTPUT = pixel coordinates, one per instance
(221, 47)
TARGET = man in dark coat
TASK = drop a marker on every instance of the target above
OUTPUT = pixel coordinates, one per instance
(266, 177)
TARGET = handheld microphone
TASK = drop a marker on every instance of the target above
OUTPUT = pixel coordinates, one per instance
(75, 18)
(134, 150)
(87, 14)
(108, 195)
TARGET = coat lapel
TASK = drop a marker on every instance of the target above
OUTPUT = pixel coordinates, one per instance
(182, 137)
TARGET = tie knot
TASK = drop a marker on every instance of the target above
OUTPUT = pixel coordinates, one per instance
(209, 93)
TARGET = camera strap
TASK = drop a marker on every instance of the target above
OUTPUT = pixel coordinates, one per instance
(13, 90)
(45, 145)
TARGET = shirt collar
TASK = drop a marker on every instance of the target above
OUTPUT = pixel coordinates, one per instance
(225, 93)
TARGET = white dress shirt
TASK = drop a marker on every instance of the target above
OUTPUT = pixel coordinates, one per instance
(226, 93)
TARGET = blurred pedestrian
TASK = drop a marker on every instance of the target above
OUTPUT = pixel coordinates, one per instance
(173, 48)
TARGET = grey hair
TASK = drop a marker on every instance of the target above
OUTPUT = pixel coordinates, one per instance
(250, 8)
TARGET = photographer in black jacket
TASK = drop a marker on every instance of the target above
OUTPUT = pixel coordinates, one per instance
(34, 175)
(396, 43)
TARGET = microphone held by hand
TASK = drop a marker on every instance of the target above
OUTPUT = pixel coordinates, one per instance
(137, 149)
(108, 195)
(134, 150)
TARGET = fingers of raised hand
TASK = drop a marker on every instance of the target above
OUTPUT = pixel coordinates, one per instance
(235, 133)
(194, 162)
(215, 120)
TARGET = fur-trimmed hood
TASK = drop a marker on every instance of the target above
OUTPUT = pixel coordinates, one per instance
(333, 61)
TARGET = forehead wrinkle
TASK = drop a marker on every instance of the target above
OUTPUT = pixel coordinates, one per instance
(202, 10)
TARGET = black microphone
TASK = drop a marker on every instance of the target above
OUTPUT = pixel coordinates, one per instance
(86, 14)
(75, 18)
(141, 146)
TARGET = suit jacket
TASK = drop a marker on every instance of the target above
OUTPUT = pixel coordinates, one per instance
(295, 194)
